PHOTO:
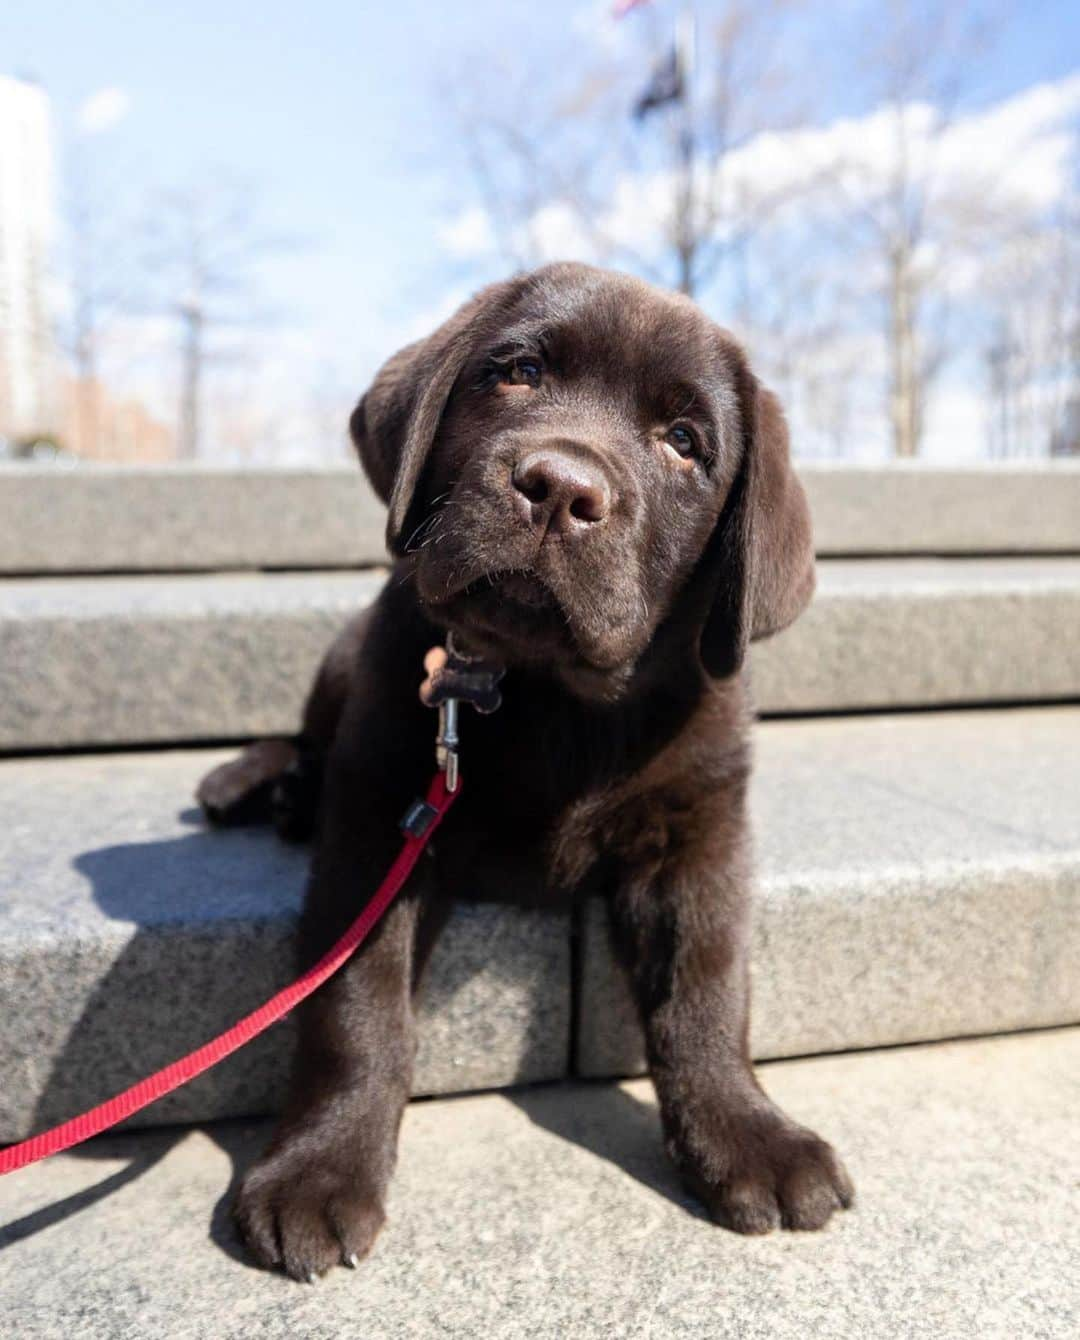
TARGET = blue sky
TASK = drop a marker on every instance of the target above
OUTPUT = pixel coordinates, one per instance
(332, 112)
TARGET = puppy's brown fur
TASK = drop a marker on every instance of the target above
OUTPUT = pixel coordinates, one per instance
(587, 484)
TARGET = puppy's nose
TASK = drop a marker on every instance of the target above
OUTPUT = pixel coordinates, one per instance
(561, 492)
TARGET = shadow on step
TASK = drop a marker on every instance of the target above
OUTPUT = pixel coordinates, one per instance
(611, 1124)
(240, 1141)
(209, 923)
(58, 1211)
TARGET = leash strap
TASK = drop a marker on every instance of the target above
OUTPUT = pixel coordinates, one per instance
(420, 823)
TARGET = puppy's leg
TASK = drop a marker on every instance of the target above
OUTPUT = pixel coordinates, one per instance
(682, 931)
(316, 1197)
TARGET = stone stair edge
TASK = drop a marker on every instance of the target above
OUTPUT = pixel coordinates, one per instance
(346, 468)
(74, 519)
(797, 882)
(145, 659)
(986, 868)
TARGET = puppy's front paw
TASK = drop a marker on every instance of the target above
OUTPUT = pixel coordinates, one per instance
(757, 1171)
(305, 1210)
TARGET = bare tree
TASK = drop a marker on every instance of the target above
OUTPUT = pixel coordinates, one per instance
(917, 56)
(800, 311)
(845, 267)
(100, 279)
(1032, 295)
(580, 145)
(204, 246)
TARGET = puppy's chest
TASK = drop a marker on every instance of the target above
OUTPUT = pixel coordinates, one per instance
(503, 846)
(525, 853)
(553, 808)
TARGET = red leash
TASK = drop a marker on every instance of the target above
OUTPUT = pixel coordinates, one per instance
(419, 824)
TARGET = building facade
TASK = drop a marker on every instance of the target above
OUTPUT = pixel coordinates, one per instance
(28, 363)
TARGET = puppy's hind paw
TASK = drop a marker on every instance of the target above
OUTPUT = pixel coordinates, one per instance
(239, 792)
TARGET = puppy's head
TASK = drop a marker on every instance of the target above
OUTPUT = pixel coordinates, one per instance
(577, 460)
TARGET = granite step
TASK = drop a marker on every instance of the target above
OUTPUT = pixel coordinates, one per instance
(160, 659)
(552, 1211)
(129, 934)
(920, 878)
(201, 517)
(152, 660)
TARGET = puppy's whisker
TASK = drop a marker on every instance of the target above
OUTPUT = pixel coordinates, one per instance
(432, 533)
(427, 522)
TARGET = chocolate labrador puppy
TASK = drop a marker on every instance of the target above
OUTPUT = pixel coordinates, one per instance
(590, 489)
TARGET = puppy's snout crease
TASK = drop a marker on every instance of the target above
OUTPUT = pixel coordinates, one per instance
(560, 493)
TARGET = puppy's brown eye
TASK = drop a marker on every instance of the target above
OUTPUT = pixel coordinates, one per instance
(682, 440)
(523, 372)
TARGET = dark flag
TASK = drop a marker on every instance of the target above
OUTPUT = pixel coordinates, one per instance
(667, 84)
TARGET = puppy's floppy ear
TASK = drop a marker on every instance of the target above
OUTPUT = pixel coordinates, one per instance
(394, 425)
(763, 550)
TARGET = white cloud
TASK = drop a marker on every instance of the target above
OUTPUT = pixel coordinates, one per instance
(469, 234)
(557, 234)
(597, 22)
(1021, 147)
(992, 177)
(1015, 155)
(102, 111)
(414, 326)
(956, 423)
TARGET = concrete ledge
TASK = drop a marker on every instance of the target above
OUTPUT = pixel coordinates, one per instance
(192, 518)
(128, 935)
(553, 1212)
(914, 508)
(186, 518)
(927, 632)
(134, 660)
(919, 879)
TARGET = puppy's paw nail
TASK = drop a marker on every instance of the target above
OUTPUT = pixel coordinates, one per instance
(312, 1278)
(352, 1260)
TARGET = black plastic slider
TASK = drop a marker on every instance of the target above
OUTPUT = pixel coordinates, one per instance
(416, 820)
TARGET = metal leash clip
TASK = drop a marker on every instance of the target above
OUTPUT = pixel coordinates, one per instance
(446, 742)
(455, 677)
